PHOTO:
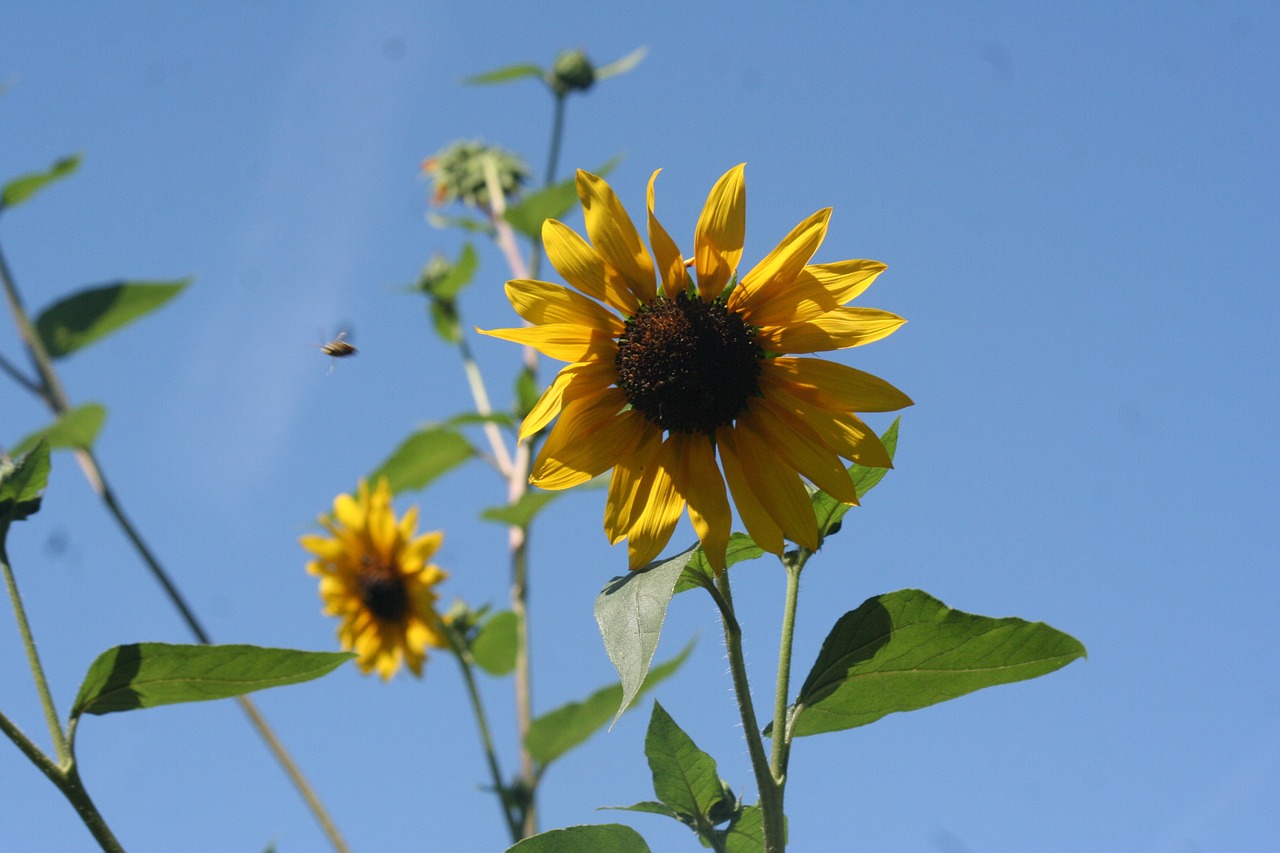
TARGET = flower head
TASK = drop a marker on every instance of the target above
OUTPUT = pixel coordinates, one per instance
(375, 575)
(689, 384)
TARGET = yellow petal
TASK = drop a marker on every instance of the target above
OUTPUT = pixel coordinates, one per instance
(614, 236)
(541, 302)
(590, 437)
(671, 271)
(563, 341)
(661, 506)
(818, 288)
(577, 380)
(779, 270)
(837, 387)
(700, 483)
(717, 240)
(837, 329)
(621, 508)
(763, 529)
(584, 269)
(775, 484)
(804, 449)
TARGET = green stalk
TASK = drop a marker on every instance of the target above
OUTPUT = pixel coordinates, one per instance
(781, 738)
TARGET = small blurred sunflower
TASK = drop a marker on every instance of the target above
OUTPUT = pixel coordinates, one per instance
(375, 575)
(692, 384)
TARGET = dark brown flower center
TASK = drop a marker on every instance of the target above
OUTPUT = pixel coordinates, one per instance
(382, 590)
(688, 365)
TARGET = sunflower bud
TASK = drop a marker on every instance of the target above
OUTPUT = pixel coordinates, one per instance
(462, 173)
(571, 70)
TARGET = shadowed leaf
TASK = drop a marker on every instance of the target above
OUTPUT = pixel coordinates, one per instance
(85, 317)
(22, 484)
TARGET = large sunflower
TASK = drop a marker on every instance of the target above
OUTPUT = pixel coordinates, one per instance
(375, 575)
(691, 385)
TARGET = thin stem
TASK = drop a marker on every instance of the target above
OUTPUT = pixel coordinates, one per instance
(549, 175)
(781, 737)
(60, 747)
(475, 381)
(18, 376)
(770, 791)
(73, 789)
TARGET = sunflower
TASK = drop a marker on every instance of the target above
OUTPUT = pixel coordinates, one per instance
(688, 385)
(375, 575)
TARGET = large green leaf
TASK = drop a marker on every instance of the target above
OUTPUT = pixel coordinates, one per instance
(22, 484)
(143, 675)
(830, 511)
(422, 457)
(684, 777)
(82, 318)
(552, 735)
(494, 648)
(22, 188)
(76, 429)
(551, 202)
(597, 838)
(907, 650)
(630, 611)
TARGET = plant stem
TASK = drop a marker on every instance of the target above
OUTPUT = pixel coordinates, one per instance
(781, 737)
(770, 791)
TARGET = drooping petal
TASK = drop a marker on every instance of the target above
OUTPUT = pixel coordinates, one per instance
(621, 507)
(581, 265)
(614, 236)
(721, 229)
(660, 505)
(837, 329)
(837, 387)
(582, 379)
(563, 341)
(803, 449)
(671, 271)
(700, 483)
(760, 525)
(778, 271)
(541, 302)
(775, 484)
(818, 288)
(590, 437)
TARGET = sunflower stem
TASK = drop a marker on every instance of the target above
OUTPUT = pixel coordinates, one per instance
(781, 738)
(770, 790)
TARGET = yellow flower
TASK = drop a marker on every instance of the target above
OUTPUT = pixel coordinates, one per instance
(375, 575)
(692, 385)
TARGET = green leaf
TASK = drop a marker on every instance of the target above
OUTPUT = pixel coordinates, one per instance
(830, 511)
(551, 202)
(84, 317)
(465, 223)
(552, 735)
(623, 65)
(520, 513)
(684, 777)
(460, 273)
(22, 484)
(698, 573)
(527, 392)
(504, 75)
(422, 457)
(746, 833)
(76, 429)
(648, 807)
(630, 611)
(494, 648)
(143, 675)
(598, 838)
(469, 418)
(22, 188)
(907, 650)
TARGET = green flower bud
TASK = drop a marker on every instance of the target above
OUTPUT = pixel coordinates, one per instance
(461, 173)
(571, 70)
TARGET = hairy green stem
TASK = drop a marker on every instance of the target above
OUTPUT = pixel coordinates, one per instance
(770, 791)
(781, 737)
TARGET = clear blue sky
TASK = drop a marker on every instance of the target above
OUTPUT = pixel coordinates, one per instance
(1078, 207)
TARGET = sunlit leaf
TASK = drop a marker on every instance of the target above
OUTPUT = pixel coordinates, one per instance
(907, 650)
(76, 429)
(623, 65)
(555, 733)
(22, 188)
(746, 833)
(22, 484)
(830, 511)
(422, 457)
(630, 611)
(522, 512)
(84, 317)
(494, 648)
(598, 838)
(684, 777)
(143, 675)
(521, 71)
(551, 202)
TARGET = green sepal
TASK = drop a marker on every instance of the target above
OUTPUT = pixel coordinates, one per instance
(144, 675)
(553, 734)
(551, 202)
(593, 838)
(22, 188)
(494, 648)
(75, 430)
(22, 484)
(630, 611)
(422, 457)
(75, 322)
(906, 650)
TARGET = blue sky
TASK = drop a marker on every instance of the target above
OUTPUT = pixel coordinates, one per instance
(1078, 207)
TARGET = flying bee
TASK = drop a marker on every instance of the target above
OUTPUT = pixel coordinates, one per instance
(338, 348)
